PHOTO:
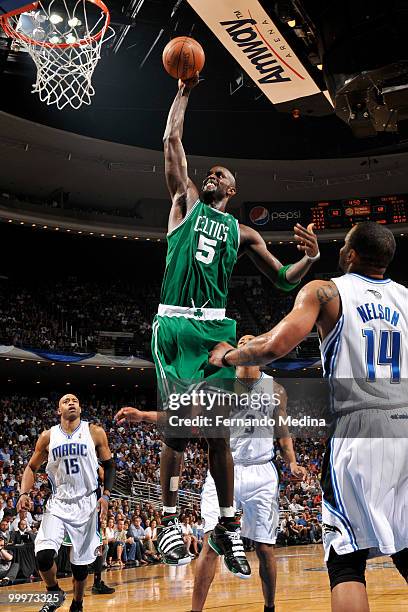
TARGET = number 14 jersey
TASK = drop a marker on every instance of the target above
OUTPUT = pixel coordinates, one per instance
(202, 251)
(365, 355)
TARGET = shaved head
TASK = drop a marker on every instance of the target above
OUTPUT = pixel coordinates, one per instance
(68, 407)
(228, 174)
(218, 187)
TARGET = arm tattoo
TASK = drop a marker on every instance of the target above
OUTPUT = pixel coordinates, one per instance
(249, 356)
(326, 293)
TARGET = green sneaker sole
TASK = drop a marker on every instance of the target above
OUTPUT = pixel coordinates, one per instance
(213, 545)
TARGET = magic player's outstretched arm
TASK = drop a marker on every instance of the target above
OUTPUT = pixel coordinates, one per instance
(182, 190)
(318, 302)
(284, 277)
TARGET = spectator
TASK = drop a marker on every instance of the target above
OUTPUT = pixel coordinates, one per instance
(151, 536)
(7, 487)
(23, 534)
(295, 506)
(114, 554)
(137, 532)
(304, 528)
(126, 549)
(315, 531)
(283, 533)
(189, 538)
(10, 510)
(4, 530)
(198, 530)
(22, 515)
(8, 569)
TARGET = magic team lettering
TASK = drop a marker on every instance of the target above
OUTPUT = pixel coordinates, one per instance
(371, 311)
(71, 449)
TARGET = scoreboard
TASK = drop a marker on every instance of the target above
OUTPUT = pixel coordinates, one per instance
(346, 213)
(327, 214)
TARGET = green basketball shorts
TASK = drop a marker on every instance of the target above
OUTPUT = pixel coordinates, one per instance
(181, 341)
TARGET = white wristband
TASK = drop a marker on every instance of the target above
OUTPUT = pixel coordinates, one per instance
(315, 258)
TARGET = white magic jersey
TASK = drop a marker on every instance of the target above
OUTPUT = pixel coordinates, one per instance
(72, 466)
(364, 356)
(252, 444)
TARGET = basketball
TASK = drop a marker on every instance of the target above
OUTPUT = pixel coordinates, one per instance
(183, 57)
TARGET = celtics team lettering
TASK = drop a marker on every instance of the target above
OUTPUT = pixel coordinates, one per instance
(211, 234)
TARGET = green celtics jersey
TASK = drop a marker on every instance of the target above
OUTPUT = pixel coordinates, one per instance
(201, 254)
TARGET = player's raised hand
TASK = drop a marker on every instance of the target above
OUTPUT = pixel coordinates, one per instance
(132, 415)
(189, 84)
(298, 470)
(24, 502)
(218, 352)
(306, 239)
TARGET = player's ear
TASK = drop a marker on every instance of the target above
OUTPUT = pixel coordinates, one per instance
(352, 257)
(231, 191)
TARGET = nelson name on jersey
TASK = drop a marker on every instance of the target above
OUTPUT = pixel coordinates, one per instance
(371, 311)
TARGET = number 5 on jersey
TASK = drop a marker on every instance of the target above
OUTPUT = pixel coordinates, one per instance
(205, 251)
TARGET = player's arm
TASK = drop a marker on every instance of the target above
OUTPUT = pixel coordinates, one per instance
(182, 190)
(38, 458)
(105, 457)
(284, 438)
(134, 415)
(286, 277)
(285, 336)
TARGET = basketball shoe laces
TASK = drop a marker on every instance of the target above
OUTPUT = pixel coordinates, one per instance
(170, 537)
(237, 545)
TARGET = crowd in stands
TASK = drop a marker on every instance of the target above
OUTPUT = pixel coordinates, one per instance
(130, 532)
(61, 201)
(38, 315)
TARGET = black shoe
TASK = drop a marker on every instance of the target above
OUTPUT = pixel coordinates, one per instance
(102, 589)
(56, 599)
(170, 543)
(226, 540)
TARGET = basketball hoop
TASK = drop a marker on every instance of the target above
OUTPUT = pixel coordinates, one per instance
(64, 39)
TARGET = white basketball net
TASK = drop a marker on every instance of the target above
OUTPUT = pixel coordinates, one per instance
(65, 46)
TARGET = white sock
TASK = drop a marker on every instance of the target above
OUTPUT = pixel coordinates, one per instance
(229, 511)
(170, 509)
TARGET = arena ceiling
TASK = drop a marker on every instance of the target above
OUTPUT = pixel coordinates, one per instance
(132, 99)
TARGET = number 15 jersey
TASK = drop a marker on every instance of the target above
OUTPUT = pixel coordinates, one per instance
(365, 355)
(72, 466)
(202, 251)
